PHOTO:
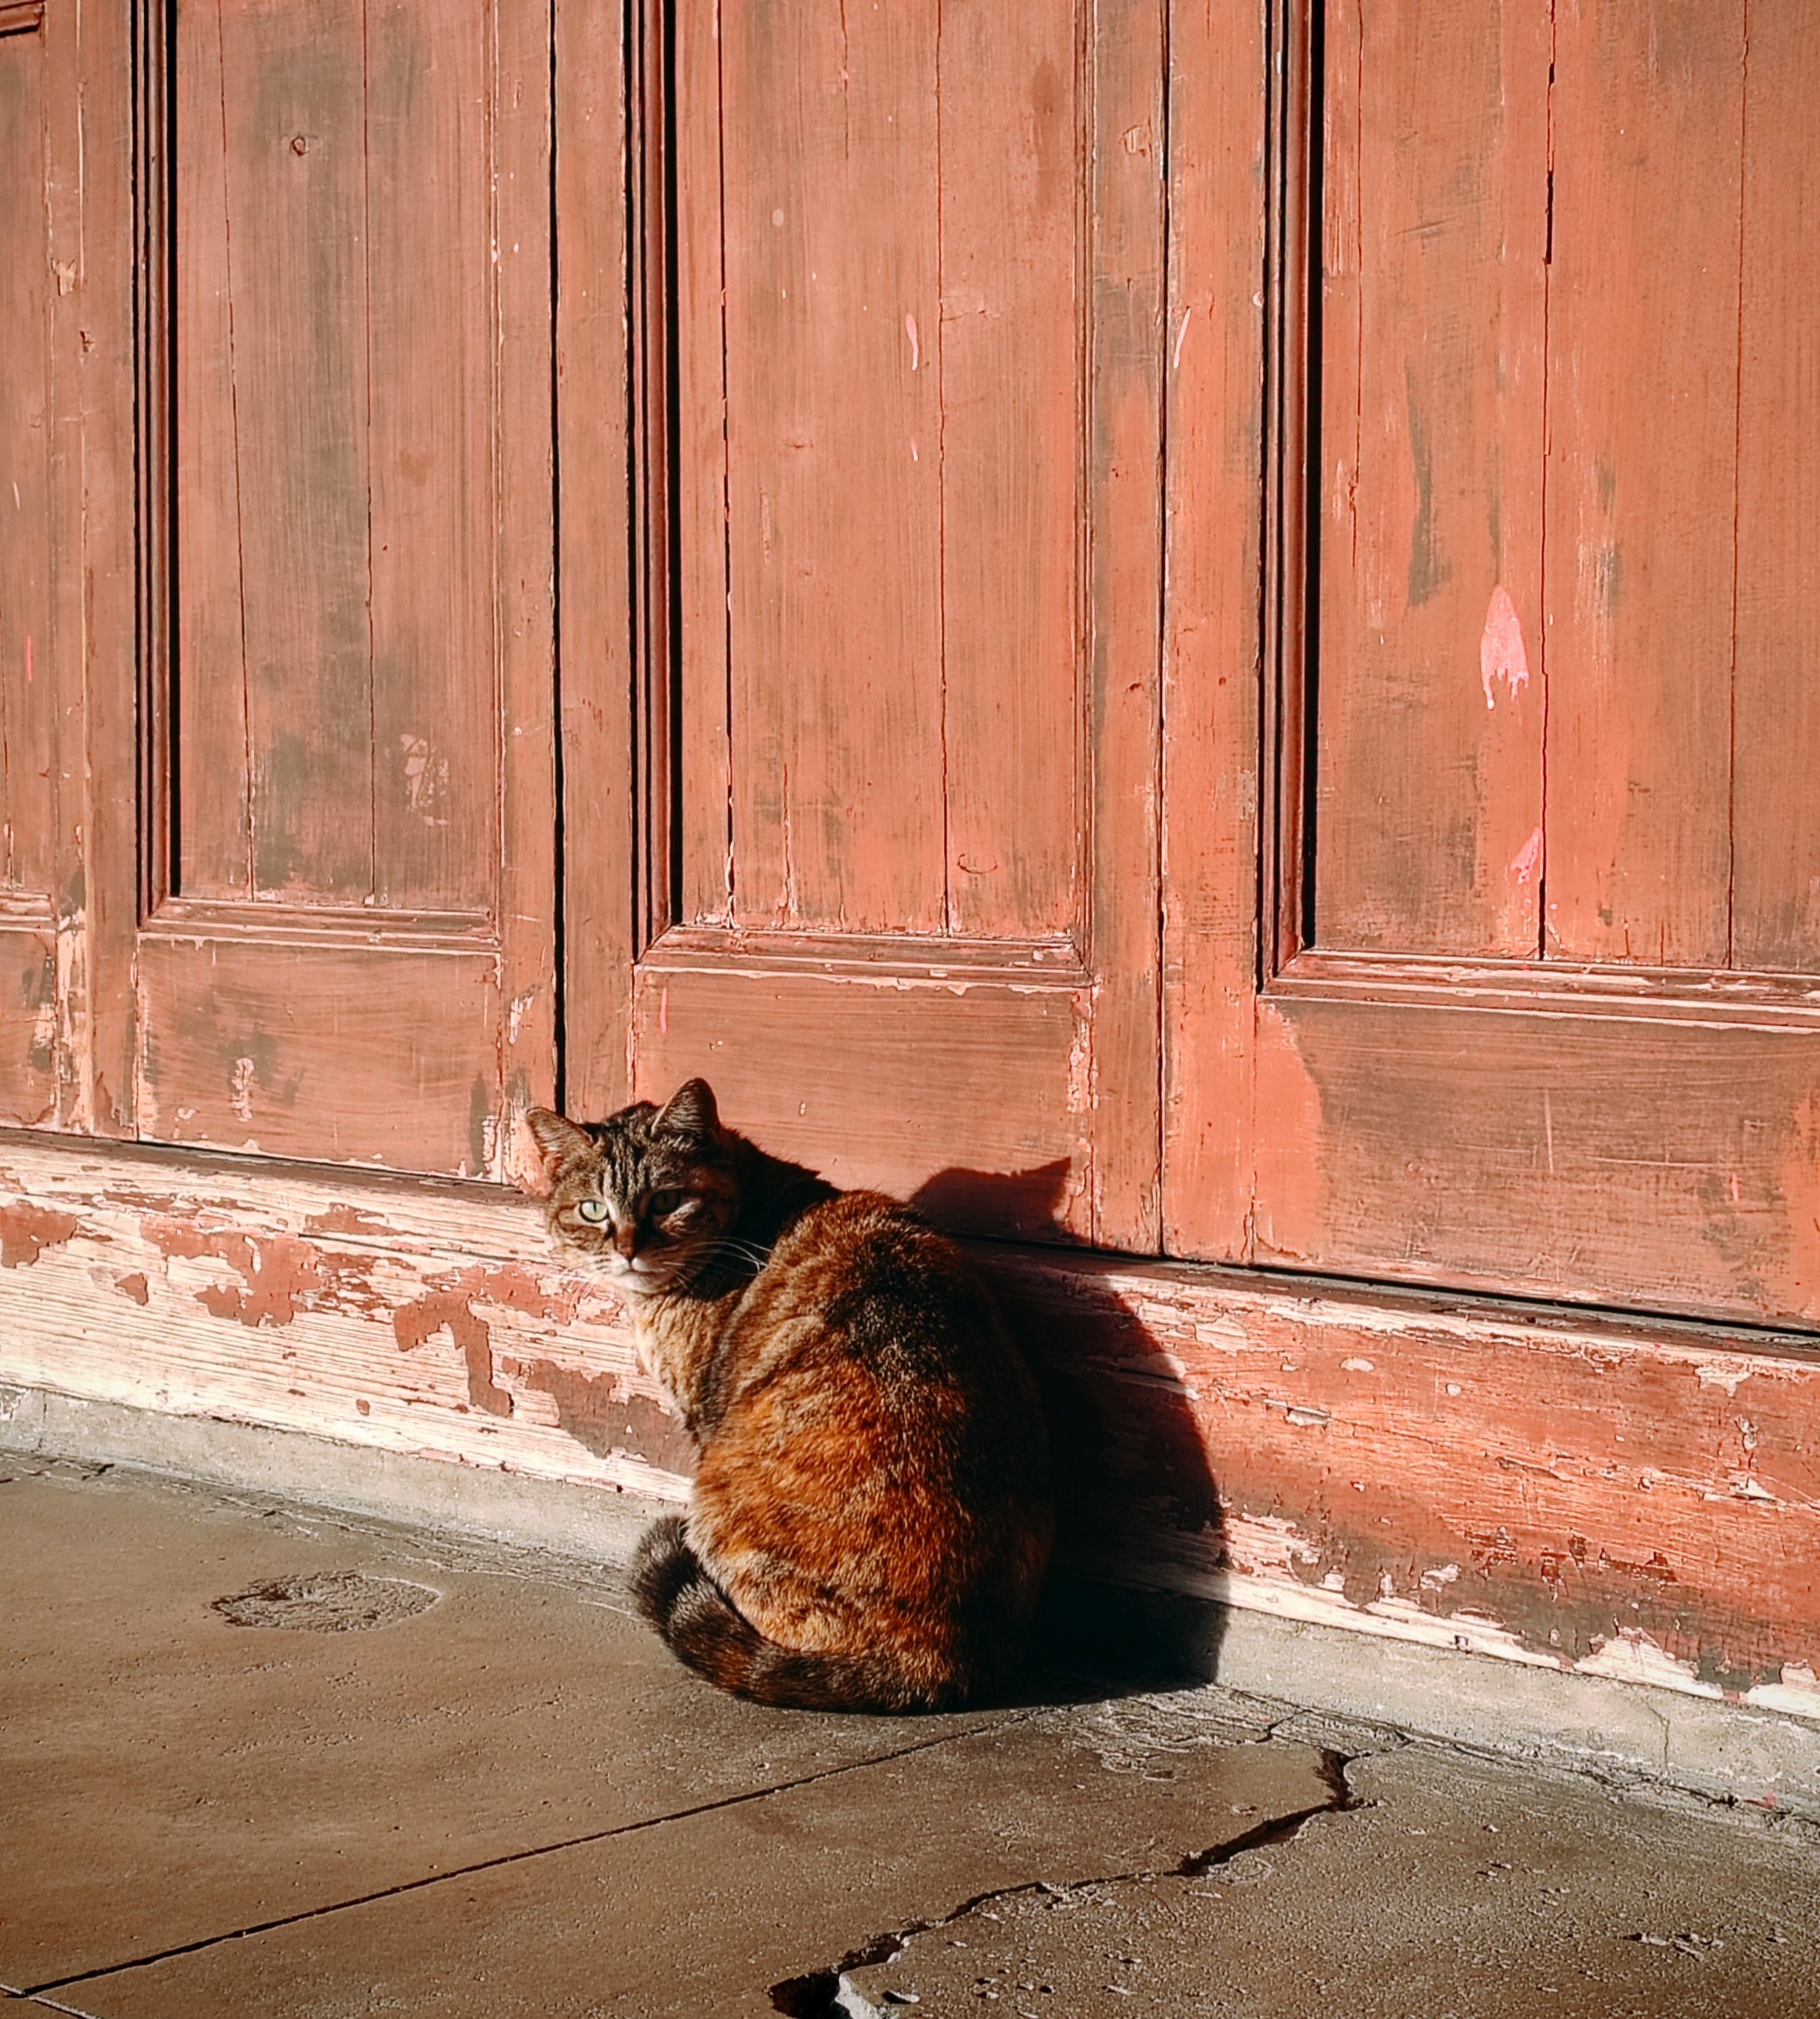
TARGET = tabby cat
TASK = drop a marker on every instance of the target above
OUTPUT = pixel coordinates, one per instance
(871, 1517)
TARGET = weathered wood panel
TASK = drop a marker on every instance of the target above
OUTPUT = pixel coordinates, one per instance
(1642, 501)
(1007, 355)
(1428, 734)
(336, 473)
(1618, 1160)
(1776, 807)
(900, 1088)
(1623, 1499)
(289, 250)
(45, 1067)
(436, 431)
(29, 634)
(833, 471)
(302, 1051)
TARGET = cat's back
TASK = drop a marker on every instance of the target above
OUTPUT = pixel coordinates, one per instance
(862, 1277)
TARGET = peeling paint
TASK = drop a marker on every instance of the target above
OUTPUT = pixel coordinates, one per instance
(26, 1232)
(278, 1273)
(1634, 1655)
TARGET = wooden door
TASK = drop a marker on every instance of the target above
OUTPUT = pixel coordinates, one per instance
(1533, 1004)
(899, 408)
(345, 276)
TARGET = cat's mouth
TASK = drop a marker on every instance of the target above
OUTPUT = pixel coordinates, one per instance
(639, 1277)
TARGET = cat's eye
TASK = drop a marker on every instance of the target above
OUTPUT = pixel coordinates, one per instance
(592, 1211)
(660, 1205)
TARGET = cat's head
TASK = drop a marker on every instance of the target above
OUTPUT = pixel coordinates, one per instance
(648, 1195)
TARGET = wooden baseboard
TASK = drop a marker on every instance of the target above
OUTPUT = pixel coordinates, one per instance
(1621, 1497)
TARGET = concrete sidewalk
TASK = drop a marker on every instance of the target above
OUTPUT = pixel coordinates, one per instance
(259, 1759)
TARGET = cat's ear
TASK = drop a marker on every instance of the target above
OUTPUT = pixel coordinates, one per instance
(691, 1113)
(553, 1143)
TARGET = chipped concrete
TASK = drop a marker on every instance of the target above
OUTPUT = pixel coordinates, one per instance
(511, 1800)
(1440, 1887)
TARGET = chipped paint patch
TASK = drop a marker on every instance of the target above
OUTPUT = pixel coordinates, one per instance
(278, 1273)
(1634, 1655)
(26, 1232)
(1527, 862)
(1503, 661)
(1798, 1691)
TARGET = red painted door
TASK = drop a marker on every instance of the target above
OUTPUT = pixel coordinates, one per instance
(898, 719)
(1534, 1003)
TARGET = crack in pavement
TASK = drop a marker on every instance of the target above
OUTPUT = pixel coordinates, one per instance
(827, 1994)
(506, 1858)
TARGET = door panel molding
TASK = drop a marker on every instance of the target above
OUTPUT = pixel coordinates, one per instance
(1620, 1134)
(314, 1016)
(1061, 1014)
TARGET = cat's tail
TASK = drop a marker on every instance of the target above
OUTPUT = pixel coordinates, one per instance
(702, 1628)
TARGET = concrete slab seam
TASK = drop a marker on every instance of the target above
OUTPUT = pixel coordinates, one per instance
(751, 1796)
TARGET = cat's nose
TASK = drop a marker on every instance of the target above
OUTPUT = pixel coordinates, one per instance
(626, 1239)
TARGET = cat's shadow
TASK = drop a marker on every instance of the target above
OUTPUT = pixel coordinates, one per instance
(1135, 1493)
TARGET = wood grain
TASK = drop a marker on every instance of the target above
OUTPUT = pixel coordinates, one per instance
(1212, 645)
(92, 134)
(291, 129)
(28, 661)
(1008, 355)
(699, 484)
(833, 383)
(213, 850)
(904, 1093)
(1776, 810)
(1534, 1151)
(1428, 723)
(432, 452)
(940, 484)
(1630, 1498)
(1642, 497)
(1126, 354)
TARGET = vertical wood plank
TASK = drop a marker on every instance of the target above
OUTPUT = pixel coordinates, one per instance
(29, 638)
(1211, 642)
(431, 411)
(1643, 361)
(1776, 893)
(1126, 362)
(598, 813)
(95, 558)
(1428, 821)
(1010, 453)
(835, 437)
(522, 575)
(214, 857)
(294, 106)
(701, 475)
